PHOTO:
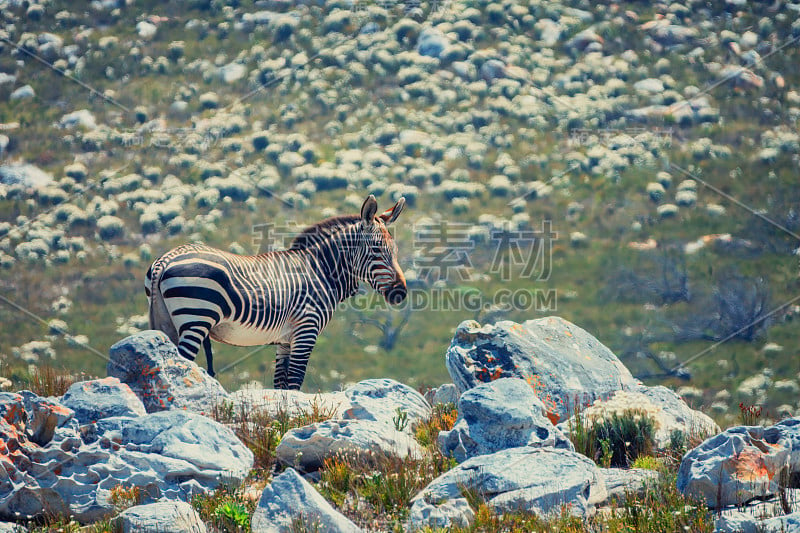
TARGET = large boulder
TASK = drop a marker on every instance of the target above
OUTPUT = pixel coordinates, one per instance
(541, 480)
(669, 412)
(380, 400)
(738, 465)
(495, 416)
(152, 367)
(102, 398)
(289, 499)
(51, 465)
(161, 517)
(306, 448)
(564, 364)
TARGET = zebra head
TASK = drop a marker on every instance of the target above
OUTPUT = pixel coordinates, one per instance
(380, 267)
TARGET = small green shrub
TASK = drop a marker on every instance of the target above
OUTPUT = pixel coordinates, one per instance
(234, 513)
(647, 462)
(615, 440)
(226, 509)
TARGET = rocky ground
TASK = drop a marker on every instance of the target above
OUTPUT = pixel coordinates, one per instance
(150, 447)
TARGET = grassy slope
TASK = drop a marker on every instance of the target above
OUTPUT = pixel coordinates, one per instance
(103, 289)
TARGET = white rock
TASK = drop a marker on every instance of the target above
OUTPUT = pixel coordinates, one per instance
(22, 93)
(161, 517)
(307, 447)
(146, 30)
(289, 498)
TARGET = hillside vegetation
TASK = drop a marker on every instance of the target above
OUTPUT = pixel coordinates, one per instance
(660, 142)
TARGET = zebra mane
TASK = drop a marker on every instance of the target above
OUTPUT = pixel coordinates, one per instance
(322, 230)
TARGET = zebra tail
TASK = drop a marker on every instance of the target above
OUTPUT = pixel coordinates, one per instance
(159, 316)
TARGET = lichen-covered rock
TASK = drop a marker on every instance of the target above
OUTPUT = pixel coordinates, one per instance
(380, 400)
(563, 363)
(52, 465)
(736, 466)
(306, 448)
(289, 498)
(161, 517)
(505, 413)
(151, 366)
(102, 398)
(541, 480)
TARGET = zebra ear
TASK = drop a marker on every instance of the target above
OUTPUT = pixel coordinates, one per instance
(368, 209)
(391, 214)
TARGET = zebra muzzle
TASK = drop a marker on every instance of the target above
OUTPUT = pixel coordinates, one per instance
(396, 294)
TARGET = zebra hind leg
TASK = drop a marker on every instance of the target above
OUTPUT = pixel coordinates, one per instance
(281, 379)
(209, 356)
(190, 341)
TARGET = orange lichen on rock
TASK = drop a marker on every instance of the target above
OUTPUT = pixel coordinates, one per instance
(749, 466)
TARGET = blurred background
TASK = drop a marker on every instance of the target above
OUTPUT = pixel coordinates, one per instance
(629, 166)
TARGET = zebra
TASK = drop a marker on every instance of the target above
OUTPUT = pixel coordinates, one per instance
(286, 297)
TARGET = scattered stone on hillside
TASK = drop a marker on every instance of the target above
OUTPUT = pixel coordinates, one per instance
(541, 480)
(232, 72)
(290, 498)
(146, 30)
(306, 448)
(583, 39)
(668, 411)
(431, 42)
(495, 416)
(668, 34)
(25, 92)
(649, 86)
(739, 464)
(293, 403)
(380, 399)
(563, 363)
(620, 482)
(46, 454)
(151, 365)
(82, 118)
(161, 517)
(24, 174)
(102, 398)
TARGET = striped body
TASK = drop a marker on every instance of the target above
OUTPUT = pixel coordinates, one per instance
(284, 297)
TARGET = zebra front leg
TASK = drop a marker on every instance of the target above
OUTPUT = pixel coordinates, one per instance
(302, 344)
(281, 378)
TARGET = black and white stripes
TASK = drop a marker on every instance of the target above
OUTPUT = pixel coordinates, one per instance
(284, 297)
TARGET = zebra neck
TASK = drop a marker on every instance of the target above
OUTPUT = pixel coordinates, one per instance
(337, 265)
